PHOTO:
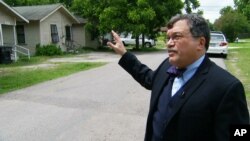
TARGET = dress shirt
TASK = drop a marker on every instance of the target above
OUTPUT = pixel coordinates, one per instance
(191, 69)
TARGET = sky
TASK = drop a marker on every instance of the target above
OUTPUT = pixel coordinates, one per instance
(211, 8)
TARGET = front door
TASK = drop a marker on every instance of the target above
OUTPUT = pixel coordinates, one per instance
(68, 33)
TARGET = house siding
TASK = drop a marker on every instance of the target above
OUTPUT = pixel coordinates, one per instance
(8, 36)
(5, 17)
(82, 38)
(94, 43)
(38, 30)
(7, 21)
(32, 35)
(78, 31)
(60, 20)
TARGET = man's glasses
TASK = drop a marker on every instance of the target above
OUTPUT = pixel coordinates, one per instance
(176, 37)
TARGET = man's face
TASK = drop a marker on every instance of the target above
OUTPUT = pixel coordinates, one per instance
(183, 48)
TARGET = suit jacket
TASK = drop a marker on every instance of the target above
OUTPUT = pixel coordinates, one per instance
(213, 100)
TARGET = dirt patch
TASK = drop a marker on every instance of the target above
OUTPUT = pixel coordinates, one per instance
(39, 66)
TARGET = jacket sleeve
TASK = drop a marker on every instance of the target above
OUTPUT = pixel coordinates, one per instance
(232, 110)
(140, 72)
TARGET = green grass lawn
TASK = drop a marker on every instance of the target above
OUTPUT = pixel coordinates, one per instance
(15, 76)
(238, 63)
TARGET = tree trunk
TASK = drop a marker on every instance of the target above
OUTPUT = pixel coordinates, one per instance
(137, 42)
(143, 40)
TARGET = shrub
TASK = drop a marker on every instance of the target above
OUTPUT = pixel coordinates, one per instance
(48, 50)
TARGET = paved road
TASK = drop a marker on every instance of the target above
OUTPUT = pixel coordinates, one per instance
(102, 104)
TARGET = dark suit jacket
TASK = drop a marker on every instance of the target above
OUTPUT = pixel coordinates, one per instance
(213, 99)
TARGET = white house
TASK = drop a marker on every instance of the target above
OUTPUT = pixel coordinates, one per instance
(28, 26)
(8, 20)
(48, 24)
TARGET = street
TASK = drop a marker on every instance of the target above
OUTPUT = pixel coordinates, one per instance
(101, 104)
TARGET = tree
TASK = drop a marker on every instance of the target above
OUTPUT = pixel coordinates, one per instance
(231, 24)
(191, 4)
(91, 10)
(211, 26)
(67, 3)
(137, 16)
(225, 10)
(243, 6)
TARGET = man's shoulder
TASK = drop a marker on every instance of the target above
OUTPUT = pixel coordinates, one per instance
(221, 74)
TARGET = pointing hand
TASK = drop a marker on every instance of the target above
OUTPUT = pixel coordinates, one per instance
(118, 46)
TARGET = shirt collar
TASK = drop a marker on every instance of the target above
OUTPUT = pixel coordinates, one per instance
(196, 64)
(191, 69)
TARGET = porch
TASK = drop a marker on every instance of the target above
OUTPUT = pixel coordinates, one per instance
(9, 50)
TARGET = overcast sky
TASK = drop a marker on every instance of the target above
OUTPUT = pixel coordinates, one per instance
(211, 8)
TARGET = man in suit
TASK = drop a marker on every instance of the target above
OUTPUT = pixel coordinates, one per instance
(192, 98)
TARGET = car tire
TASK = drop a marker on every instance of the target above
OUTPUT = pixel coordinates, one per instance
(124, 44)
(147, 45)
(224, 56)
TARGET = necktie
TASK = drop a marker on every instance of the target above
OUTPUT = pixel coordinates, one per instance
(174, 72)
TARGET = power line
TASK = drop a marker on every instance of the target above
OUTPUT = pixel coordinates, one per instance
(215, 6)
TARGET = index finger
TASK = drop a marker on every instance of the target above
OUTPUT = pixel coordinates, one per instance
(115, 35)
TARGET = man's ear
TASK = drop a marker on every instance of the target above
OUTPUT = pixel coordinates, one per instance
(201, 43)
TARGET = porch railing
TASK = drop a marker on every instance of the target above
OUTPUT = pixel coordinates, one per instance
(70, 46)
(21, 50)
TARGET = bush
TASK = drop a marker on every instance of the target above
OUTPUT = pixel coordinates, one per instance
(48, 50)
(232, 24)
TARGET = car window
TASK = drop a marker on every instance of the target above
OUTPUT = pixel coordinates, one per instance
(217, 38)
(124, 35)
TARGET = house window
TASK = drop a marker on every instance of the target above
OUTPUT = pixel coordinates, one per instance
(68, 33)
(20, 34)
(54, 33)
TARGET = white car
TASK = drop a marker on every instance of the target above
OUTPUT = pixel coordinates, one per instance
(218, 44)
(128, 39)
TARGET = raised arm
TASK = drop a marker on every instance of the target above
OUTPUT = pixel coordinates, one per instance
(140, 72)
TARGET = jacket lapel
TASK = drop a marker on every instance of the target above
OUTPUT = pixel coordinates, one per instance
(162, 80)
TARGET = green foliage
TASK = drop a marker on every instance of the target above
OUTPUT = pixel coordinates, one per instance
(225, 10)
(137, 16)
(211, 26)
(231, 24)
(24, 61)
(191, 4)
(48, 50)
(243, 6)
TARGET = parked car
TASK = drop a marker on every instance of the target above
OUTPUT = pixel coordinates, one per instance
(129, 39)
(218, 44)
(105, 38)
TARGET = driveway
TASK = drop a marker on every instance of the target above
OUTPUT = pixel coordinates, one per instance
(102, 104)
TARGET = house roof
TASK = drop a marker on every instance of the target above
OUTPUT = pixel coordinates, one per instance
(19, 16)
(80, 19)
(41, 12)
